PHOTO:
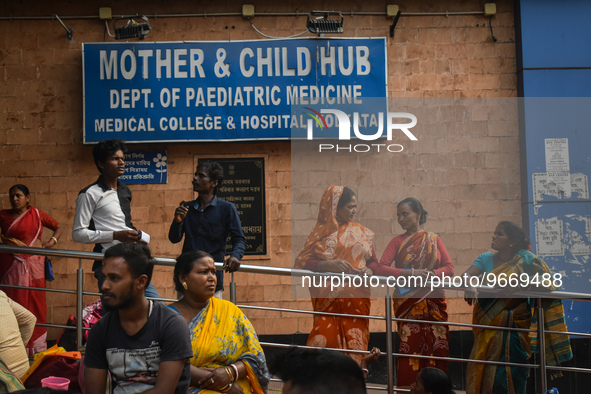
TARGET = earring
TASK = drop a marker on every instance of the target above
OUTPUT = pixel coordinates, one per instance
(185, 286)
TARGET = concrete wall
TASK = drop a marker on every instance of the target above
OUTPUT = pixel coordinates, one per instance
(468, 185)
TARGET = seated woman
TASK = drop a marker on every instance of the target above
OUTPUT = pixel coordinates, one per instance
(15, 331)
(227, 355)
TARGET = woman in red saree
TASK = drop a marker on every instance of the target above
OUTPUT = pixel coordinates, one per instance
(22, 226)
(337, 244)
(417, 253)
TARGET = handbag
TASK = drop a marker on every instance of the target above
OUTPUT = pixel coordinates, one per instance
(48, 270)
(55, 361)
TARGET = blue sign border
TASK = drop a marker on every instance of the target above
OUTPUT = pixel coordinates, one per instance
(216, 91)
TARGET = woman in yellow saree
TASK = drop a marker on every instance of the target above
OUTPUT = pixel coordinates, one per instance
(227, 355)
(511, 260)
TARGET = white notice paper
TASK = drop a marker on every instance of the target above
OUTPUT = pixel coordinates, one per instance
(549, 237)
(557, 158)
(558, 164)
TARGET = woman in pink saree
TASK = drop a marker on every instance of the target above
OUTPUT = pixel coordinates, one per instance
(22, 225)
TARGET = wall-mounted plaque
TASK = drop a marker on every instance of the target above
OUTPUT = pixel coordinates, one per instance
(244, 186)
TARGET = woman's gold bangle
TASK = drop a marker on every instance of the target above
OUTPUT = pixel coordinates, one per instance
(54, 238)
(229, 372)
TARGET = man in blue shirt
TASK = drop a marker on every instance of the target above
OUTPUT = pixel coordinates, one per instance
(207, 221)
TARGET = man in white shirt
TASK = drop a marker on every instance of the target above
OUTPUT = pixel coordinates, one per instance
(103, 210)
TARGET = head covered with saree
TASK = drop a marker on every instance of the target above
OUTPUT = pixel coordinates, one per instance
(336, 238)
(332, 239)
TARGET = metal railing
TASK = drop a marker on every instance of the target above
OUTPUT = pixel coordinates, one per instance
(388, 319)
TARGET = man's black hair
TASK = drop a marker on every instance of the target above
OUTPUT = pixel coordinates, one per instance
(105, 149)
(137, 256)
(318, 371)
(214, 171)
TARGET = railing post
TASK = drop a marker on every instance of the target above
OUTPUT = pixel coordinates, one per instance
(233, 290)
(79, 302)
(389, 361)
(542, 346)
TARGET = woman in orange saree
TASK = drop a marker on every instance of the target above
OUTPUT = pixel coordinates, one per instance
(338, 244)
(22, 226)
(417, 253)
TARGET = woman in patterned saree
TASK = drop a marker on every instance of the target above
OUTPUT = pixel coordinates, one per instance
(22, 226)
(417, 253)
(337, 244)
(512, 258)
(227, 356)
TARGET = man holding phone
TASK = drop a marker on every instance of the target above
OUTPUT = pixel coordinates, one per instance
(207, 221)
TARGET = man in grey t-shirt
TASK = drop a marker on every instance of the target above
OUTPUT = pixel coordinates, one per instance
(143, 344)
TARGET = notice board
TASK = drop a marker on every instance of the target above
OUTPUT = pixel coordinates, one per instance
(244, 186)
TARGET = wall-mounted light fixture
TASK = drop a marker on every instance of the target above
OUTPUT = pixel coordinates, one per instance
(393, 11)
(322, 25)
(69, 30)
(131, 29)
